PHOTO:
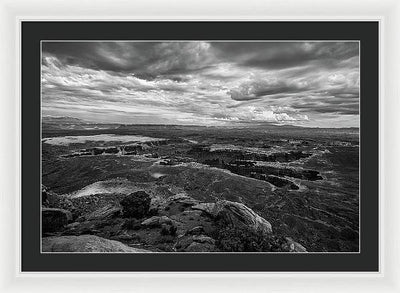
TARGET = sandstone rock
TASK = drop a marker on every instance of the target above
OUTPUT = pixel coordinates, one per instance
(236, 214)
(85, 243)
(53, 200)
(203, 239)
(136, 205)
(196, 243)
(195, 230)
(200, 247)
(183, 198)
(81, 228)
(293, 246)
(73, 225)
(205, 207)
(168, 229)
(107, 212)
(157, 221)
(54, 219)
(188, 219)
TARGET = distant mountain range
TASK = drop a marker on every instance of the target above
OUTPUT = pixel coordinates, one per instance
(63, 120)
(72, 123)
(67, 122)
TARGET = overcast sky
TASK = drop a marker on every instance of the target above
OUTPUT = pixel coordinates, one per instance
(206, 83)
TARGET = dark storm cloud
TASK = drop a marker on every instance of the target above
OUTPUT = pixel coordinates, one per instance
(337, 105)
(278, 55)
(262, 88)
(310, 83)
(146, 59)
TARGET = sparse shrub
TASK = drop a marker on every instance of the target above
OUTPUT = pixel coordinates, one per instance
(168, 230)
(164, 243)
(55, 219)
(164, 247)
(235, 239)
(164, 239)
(136, 205)
(131, 224)
(152, 212)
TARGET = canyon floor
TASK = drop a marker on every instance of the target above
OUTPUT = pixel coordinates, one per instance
(165, 188)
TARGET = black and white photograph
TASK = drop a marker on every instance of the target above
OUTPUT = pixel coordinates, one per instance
(200, 146)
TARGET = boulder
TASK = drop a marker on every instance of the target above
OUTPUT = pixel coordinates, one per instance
(168, 226)
(106, 212)
(55, 219)
(196, 243)
(203, 239)
(73, 225)
(157, 221)
(53, 200)
(136, 205)
(189, 219)
(168, 229)
(200, 247)
(237, 215)
(198, 230)
(183, 199)
(85, 243)
(205, 207)
(292, 246)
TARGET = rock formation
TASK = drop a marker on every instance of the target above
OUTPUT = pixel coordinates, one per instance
(54, 219)
(136, 205)
(177, 222)
(236, 214)
(85, 243)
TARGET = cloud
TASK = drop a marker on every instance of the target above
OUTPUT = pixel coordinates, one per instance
(253, 113)
(211, 83)
(278, 55)
(145, 59)
(258, 114)
(260, 87)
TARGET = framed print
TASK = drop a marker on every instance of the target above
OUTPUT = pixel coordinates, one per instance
(105, 78)
(200, 146)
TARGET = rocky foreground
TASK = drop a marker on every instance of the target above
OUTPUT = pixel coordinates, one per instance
(138, 223)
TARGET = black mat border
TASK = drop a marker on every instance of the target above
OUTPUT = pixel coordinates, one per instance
(33, 32)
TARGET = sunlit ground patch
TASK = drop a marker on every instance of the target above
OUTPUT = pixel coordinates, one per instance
(121, 186)
(157, 175)
(66, 140)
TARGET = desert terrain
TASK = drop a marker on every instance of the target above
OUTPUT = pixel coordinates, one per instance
(176, 188)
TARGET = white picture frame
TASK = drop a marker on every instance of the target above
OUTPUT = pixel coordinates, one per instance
(387, 12)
